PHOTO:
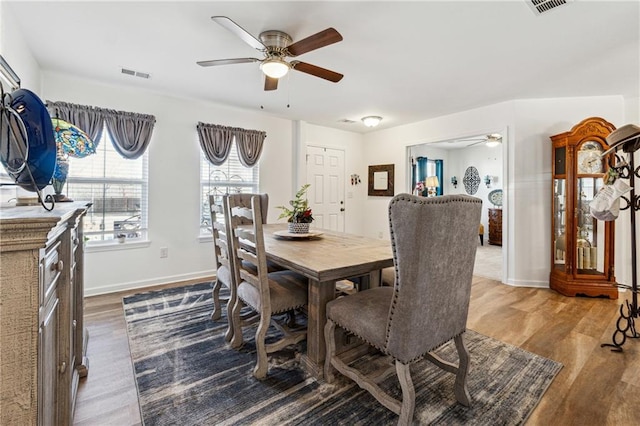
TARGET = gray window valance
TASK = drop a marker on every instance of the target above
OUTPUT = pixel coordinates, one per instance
(130, 132)
(87, 118)
(216, 140)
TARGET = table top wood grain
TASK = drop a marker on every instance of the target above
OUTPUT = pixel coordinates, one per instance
(329, 257)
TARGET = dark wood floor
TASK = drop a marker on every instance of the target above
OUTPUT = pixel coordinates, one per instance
(595, 387)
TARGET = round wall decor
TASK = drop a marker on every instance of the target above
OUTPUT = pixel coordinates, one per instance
(471, 180)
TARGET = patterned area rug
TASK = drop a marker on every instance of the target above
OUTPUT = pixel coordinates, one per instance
(187, 375)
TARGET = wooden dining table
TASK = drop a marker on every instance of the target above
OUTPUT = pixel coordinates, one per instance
(325, 259)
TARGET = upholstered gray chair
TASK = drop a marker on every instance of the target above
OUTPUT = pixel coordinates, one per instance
(221, 249)
(434, 247)
(265, 293)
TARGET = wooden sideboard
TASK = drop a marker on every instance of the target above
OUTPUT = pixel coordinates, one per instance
(495, 227)
(42, 336)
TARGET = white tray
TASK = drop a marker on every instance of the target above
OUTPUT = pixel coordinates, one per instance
(291, 236)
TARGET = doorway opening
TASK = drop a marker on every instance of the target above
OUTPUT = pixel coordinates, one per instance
(473, 165)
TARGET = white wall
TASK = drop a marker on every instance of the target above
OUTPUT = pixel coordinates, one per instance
(14, 50)
(526, 162)
(173, 180)
(488, 161)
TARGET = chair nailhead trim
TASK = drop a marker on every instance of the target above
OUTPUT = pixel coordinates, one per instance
(447, 199)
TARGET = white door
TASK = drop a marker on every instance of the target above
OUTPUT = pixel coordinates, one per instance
(325, 173)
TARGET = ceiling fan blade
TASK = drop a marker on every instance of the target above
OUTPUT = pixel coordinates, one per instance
(313, 42)
(239, 32)
(476, 143)
(317, 71)
(226, 61)
(270, 83)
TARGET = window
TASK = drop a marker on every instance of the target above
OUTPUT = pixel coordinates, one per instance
(118, 189)
(230, 177)
(423, 170)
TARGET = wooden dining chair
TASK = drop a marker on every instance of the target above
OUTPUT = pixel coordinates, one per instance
(222, 259)
(265, 293)
(434, 247)
(221, 249)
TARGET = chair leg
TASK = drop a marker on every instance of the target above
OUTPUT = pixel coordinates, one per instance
(330, 343)
(408, 394)
(231, 303)
(216, 314)
(236, 337)
(460, 389)
(262, 364)
(291, 318)
(229, 333)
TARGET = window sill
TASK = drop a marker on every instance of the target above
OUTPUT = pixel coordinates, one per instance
(114, 245)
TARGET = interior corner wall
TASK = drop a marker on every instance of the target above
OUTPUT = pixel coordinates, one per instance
(174, 180)
(537, 120)
(15, 51)
(530, 123)
(352, 144)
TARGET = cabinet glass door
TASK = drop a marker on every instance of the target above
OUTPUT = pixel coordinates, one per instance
(589, 231)
(559, 223)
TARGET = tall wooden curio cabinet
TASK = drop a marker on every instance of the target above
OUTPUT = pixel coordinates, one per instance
(582, 255)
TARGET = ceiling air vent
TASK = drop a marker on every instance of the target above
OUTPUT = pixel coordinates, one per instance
(135, 73)
(542, 6)
(346, 121)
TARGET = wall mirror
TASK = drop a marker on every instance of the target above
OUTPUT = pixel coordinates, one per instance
(381, 180)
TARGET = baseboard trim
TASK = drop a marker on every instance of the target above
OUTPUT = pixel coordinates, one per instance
(134, 285)
(523, 283)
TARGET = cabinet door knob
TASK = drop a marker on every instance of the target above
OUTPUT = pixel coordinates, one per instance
(63, 367)
(60, 265)
(76, 241)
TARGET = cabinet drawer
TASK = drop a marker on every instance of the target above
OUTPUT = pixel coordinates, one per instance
(52, 269)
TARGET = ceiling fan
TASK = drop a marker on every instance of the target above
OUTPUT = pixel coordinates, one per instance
(491, 140)
(276, 47)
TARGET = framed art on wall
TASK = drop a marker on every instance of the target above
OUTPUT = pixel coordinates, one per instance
(381, 180)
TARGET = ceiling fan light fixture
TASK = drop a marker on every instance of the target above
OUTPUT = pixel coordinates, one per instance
(275, 67)
(492, 142)
(371, 120)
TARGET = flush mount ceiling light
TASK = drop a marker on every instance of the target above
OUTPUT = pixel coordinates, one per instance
(275, 67)
(371, 120)
(494, 139)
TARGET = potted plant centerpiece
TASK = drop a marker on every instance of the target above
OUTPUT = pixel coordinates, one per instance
(299, 215)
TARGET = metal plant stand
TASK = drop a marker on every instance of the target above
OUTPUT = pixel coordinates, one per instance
(626, 324)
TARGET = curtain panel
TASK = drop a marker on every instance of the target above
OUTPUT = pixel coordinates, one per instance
(249, 143)
(130, 132)
(87, 118)
(422, 168)
(439, 174)
(216, 140)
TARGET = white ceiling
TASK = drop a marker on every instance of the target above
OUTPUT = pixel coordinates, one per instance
(404, 61)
